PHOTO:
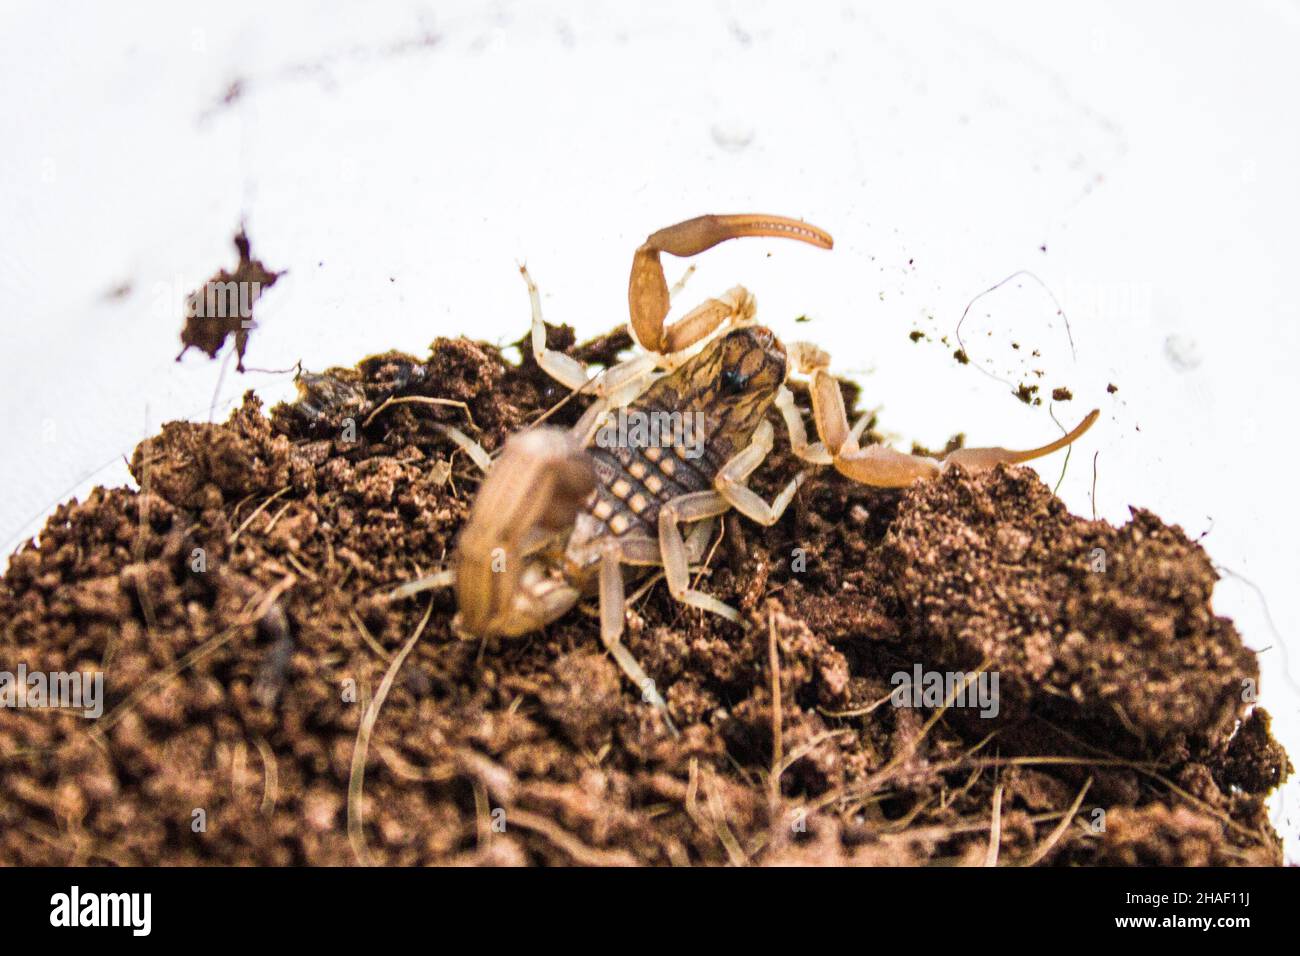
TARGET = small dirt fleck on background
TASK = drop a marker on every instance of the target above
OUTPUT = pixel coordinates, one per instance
(213, 313)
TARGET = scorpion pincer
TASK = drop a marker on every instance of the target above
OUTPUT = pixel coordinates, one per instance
(562, 512)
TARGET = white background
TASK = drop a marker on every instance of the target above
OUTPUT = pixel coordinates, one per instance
(400, 160)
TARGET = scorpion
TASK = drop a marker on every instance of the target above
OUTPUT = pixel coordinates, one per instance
(561, 514)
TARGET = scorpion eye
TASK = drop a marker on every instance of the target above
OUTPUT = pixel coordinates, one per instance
(733, 381)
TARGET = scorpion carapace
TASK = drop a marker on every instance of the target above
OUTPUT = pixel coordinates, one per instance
(732, 385)
(668, 443)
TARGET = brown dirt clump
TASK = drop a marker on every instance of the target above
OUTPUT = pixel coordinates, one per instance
(234, 606)
(223, 306)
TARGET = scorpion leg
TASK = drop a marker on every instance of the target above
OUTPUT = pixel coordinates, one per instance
(573, 374)
(618, 385)
(647, 291)
(885, 467)
(814, 453)
(612, 596)
(730, 481)
(694, 506)
(476, 452)
(697, 542)
(565, 369)
(430, 582)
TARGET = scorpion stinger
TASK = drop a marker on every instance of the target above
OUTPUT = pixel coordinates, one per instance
(884, 467)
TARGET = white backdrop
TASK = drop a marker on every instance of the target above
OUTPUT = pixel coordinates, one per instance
(400, 160)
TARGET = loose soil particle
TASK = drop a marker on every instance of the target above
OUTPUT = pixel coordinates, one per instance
(208, 309)
(1028, 394)
(236, 683)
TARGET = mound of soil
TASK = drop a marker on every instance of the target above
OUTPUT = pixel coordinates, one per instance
(267, 704)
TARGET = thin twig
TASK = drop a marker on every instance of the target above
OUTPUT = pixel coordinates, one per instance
(357, 780)
(420, 400)
(270, 775)
(366, 636)
(774, 659)
(858, 712)
(1054, 837)
(1094, 484)
(206, 649)
(256, 511)
(995, 829)
(720, 825)
(581, 853)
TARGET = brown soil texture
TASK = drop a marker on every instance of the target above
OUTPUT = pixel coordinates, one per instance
(234, 602)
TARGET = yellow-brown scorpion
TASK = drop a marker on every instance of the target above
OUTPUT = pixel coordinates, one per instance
(563, 511)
